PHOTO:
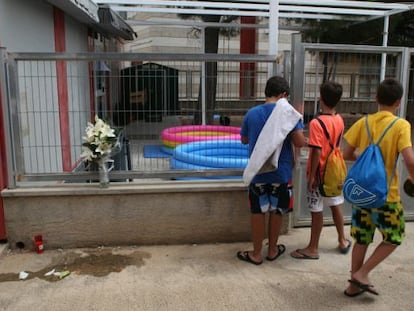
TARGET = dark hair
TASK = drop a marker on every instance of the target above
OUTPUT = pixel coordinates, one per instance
(276, 86)
(389, 91)
(331, 93)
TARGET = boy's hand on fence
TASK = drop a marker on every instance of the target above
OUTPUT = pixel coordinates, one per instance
(409, 187)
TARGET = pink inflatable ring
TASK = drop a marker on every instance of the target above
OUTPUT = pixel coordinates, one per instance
(178, 135)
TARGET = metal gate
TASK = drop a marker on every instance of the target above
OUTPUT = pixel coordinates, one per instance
(359, 69)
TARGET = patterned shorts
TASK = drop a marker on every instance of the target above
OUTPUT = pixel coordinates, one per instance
(273, 198)
(388, 219)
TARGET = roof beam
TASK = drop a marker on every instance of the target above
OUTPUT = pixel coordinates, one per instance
(302, 9)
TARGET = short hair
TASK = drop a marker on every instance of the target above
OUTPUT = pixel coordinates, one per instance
(276, 86)
(331, 93)
(389, 91)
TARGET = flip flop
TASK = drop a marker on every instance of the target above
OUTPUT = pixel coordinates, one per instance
(244, 256)
(354, 294)
(299, 254)
(280, 250)
(345, 250)
(365, 287)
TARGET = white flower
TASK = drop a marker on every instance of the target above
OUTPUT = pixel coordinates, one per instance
(90, 132)
(87, 154)
(104, 148)
(106, 131)
(100, 140)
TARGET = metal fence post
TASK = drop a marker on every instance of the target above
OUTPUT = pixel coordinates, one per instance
(3, 141)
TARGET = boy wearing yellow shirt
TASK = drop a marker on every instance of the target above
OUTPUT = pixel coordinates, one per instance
(389, 218)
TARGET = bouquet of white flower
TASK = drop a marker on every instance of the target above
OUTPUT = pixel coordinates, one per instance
(101, 142)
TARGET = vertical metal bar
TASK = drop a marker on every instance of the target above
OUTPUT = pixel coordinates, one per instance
(6, 121)
(203, 80)
(4, 138)
(316, 90)
(287, 65)
(273, 33)
(384, 43)
(298, 71)
(188, 84)
(404, 75)
(8, 78)
(164, 77)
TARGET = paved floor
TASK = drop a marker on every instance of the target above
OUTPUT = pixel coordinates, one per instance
(200, 277)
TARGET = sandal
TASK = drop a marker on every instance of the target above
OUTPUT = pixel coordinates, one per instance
(280, 250)
(244, 256)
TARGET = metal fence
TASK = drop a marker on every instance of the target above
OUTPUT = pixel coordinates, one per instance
(51, 97)
(359, 69)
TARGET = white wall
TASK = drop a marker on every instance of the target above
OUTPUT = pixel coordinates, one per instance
(26, 26)
(76, 35)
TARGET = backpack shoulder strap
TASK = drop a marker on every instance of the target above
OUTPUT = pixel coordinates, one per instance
(387, 129)
(368, 132)
(325, 130)
(383, 133)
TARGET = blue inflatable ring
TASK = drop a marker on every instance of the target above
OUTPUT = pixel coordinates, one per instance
(210, 154)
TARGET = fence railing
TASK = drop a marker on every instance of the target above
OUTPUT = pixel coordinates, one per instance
(52, 96)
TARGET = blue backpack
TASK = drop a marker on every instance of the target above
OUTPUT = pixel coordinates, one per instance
(366, 183)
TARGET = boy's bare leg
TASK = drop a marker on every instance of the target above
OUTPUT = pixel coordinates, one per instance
(258, 230)
(316, 229)
(358, 256)
(382, 251)
(338, 219)
(275, 223)
(360, 270)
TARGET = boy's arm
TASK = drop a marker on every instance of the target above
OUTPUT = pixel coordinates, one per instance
(314, 163)
(299, 139)
(408, 155)
(244, 130)
(349, 152)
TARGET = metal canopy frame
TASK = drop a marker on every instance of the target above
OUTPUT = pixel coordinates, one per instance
(304, 9)
(274, 10)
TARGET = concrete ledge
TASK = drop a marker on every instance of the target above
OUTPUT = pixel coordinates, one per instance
(84, 215)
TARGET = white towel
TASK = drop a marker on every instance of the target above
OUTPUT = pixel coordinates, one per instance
(266, 152)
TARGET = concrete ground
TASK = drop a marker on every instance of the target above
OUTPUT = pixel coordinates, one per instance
(200, 277)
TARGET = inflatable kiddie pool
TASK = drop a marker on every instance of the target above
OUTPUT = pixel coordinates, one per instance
(175, 136)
